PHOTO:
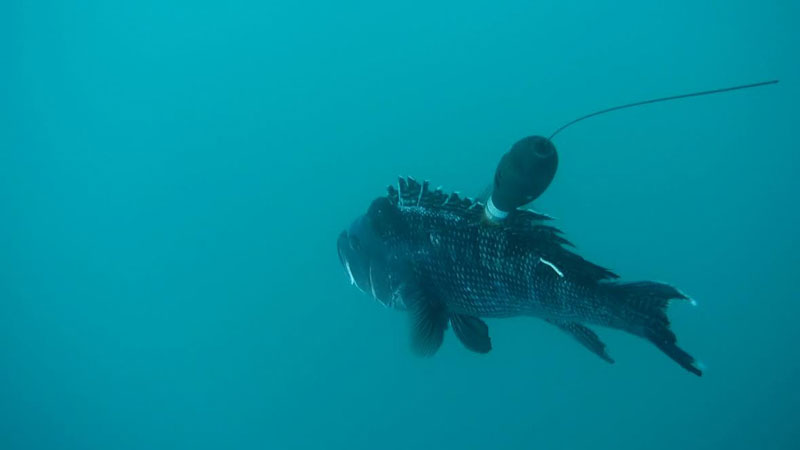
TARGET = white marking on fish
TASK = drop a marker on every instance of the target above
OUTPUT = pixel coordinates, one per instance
(350, 272)
(372, 284)
(552, 266)
(399, 193)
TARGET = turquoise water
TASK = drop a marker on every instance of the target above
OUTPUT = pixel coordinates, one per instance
(173, 177)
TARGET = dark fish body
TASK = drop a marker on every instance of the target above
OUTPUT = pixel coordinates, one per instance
(434, 255)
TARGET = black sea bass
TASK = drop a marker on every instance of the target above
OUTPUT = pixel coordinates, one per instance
(452, 261)
(436, 256)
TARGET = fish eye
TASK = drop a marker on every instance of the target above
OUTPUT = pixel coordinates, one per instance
(382, 215)
(379, 208)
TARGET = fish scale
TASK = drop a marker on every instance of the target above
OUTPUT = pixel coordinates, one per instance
(472, 270)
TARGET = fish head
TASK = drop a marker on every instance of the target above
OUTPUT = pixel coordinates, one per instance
(366, 254)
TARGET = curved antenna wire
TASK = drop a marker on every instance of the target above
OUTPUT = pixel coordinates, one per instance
(662, 99)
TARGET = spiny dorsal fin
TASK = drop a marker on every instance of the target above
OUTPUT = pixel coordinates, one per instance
(411, 192)
(392, 194)
(433, 199)
(402, 189)
(525, 226)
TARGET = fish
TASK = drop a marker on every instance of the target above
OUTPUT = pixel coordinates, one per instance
(434, 256)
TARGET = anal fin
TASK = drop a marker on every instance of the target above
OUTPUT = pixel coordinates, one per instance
(472, 332)
(585, 336)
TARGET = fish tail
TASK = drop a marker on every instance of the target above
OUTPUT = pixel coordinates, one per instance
(644, 312)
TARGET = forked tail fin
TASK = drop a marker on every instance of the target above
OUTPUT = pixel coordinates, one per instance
(644, 310)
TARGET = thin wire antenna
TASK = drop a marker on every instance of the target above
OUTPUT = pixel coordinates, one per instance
(662, 99)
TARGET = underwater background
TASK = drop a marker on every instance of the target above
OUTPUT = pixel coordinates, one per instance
(174, 175)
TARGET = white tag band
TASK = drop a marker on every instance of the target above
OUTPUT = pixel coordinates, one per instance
(492, 213)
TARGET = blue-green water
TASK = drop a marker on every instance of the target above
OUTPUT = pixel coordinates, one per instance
(173, 177)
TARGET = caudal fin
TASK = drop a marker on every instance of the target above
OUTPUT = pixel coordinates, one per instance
(644, 312)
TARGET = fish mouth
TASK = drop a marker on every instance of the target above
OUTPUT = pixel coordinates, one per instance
(339, 244)
(356, 265)
(365, 273)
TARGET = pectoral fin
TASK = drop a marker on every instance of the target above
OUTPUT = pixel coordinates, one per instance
(428, 320)
(472, 332)
(585, 336)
